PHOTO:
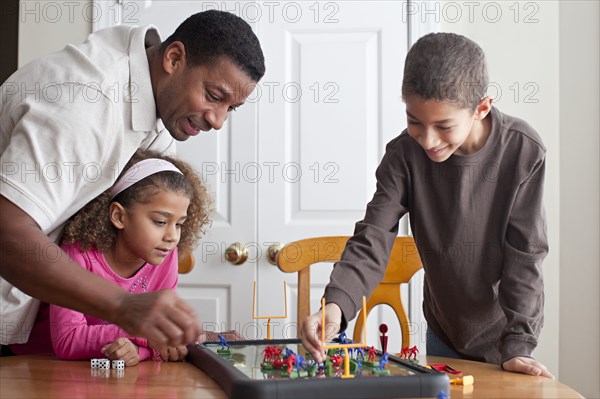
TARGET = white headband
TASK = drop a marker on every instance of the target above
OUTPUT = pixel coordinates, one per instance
(140, 171)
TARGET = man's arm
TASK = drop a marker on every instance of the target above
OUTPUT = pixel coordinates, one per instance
(160, 316)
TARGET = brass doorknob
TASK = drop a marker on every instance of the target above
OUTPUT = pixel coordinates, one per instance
(272, 252)
(236, 253)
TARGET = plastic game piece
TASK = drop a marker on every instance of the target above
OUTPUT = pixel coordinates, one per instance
(464, 380)
(442, 395)
(345, 346)
(225, 348)
(269, 317)
(444, 368)
(383, 329)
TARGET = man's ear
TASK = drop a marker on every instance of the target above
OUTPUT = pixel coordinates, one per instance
(483, 108)
(117, 215)
(174, 57)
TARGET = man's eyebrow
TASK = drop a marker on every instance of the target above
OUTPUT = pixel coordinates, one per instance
(440, 121)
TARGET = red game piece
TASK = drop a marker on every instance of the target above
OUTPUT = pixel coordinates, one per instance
(383, 328)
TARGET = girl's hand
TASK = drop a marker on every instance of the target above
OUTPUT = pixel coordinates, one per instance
(122, 349)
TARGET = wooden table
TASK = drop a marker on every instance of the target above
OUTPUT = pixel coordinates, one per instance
(47, 377)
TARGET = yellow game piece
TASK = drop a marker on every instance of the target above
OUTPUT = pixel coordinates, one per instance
(269, 317)
(464, 380)
(345, 346)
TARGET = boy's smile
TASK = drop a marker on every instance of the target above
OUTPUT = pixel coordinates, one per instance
(442, 129)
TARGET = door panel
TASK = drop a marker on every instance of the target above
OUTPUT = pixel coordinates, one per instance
(335, 102)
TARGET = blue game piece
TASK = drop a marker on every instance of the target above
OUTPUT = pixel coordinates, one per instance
(223, 342)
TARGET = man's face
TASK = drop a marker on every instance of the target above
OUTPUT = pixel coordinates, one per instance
(199, 98)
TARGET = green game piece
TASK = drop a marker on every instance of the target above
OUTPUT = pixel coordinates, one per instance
(380, 372)
(353, 366)
(224, 352)
(266, 366)
(371, 365)
(312, 371)
(328, 368)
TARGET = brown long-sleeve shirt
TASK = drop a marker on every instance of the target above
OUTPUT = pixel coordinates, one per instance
(480, 228)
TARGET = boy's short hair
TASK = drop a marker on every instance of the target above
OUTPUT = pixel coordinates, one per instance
(211, 34)
(446, 66)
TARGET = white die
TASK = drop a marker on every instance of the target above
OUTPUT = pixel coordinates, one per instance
(95, 363)
(104, 364)
(118, 364)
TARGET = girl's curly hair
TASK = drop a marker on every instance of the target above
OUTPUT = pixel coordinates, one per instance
(91, 226)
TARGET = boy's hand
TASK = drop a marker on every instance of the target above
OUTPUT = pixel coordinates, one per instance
(311, 330)
(122, 349)
(526, 365)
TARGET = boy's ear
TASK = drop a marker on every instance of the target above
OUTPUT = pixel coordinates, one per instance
(174, 57)
(483, 108)
(116, 214)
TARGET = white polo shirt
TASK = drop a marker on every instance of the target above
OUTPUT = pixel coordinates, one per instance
(69, 122)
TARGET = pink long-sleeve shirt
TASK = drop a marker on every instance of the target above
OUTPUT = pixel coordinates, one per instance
(78, 336)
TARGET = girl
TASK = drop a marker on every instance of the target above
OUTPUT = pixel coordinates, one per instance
(131, 235)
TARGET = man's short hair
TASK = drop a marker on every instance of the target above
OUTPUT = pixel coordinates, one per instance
(446, 66)
(212, 34)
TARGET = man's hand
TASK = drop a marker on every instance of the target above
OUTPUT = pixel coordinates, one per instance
(161, 316)
(170, 353)
(311, 330)
(526, 365)
(122, 349)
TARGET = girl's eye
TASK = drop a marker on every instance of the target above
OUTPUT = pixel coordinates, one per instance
(179, 225)
(159, 222)
(213, 97)
(412, 122)
(232, 109)
(445, 128)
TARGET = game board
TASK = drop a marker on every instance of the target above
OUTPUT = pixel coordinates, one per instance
(240, 375)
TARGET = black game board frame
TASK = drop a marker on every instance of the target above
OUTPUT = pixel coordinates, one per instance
(237, 385)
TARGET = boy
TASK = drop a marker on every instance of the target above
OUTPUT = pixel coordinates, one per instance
(471, 179)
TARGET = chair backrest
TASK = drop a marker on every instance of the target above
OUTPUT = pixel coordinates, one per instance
(298, 256)
(186, 264)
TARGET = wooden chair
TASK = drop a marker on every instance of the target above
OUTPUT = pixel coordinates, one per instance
(186, 264)
(404, 262)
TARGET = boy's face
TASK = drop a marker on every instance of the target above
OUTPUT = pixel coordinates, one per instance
(443, 129)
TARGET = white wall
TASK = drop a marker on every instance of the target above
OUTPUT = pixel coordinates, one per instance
(579, 198)
(47, 26)
(550, 46)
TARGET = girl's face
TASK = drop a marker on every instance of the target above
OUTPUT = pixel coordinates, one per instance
(148, 232)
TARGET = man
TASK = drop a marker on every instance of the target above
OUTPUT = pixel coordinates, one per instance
(71, 120)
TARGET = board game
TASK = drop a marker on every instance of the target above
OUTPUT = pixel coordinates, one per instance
(242, 373)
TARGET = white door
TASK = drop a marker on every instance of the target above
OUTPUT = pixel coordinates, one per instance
(334, 74)
(299, 159)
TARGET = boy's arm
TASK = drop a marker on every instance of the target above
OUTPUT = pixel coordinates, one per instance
(521, 290)
(367, 252)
